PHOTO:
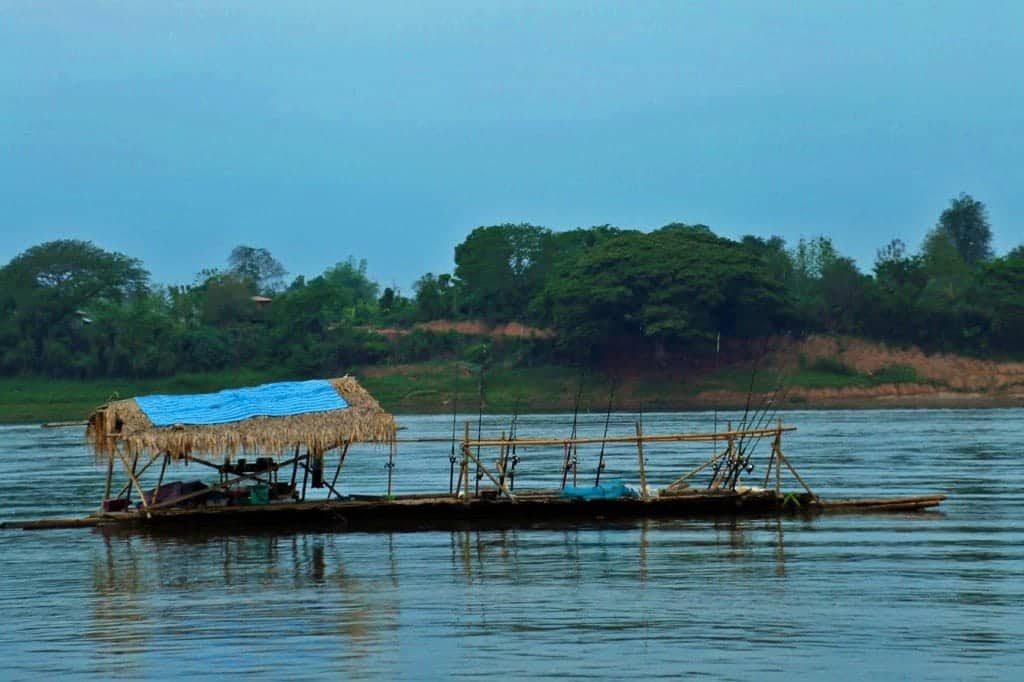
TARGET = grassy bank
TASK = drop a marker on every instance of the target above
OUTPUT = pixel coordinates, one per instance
(429, 387)
(40, 399)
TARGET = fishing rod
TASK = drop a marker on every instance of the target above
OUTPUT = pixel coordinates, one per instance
(718, 366)
(748, 448)
(767, 408)
(479, 427)
(455, 412)
(570, 447)
(770, 403)
(729, 466)
(607, 419)
(510, 446)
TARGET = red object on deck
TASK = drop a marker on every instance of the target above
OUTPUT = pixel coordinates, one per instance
(115, 504)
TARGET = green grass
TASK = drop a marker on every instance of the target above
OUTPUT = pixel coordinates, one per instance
(39, 399)
(429, 387)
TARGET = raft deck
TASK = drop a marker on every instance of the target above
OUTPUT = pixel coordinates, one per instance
(441, 511)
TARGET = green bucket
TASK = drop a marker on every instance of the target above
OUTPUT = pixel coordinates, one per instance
(259, 494)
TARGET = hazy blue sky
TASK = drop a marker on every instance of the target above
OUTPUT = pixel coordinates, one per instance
(173, 131)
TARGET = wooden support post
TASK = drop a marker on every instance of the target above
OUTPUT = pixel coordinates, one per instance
(499, 463)
(163, 470)
(465, 459)
(295, 466)
(330, 488)
(487, 473)
(778, 471)
(139, 474)
(110, 476)
(131, 475)
(391, 466)
(716, 479)
(640, 457)
(341, 460)
(798, 477)
(690, 474)
(305, 474)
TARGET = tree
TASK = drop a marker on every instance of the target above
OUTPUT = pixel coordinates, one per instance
(500, 268)
(675, 287)
(965, 224)
(47, 291)
(264, 272)
(350, 274)
(435, 297)
(1000, 292)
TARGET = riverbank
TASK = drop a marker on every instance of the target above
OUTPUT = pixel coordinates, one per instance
(824, 382)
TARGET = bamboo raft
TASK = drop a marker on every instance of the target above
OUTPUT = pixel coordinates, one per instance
(252, 494)
(441, 512)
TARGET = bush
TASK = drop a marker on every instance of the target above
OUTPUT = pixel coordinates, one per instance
(895, 374)
(832, 366)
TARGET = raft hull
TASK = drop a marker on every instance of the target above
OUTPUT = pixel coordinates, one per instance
(431, 512)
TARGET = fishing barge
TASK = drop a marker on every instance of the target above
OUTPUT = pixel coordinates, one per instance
(269, 446)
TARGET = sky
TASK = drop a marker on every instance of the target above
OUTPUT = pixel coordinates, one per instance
(174, 131)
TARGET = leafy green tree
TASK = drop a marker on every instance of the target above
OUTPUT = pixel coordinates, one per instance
(965, 225)
(225, 298)
(500, 268)
(351, 275)
(436, 297)
(673, 288)
(891, 310)
(48, 290)
(1000, 291)
(258, 267)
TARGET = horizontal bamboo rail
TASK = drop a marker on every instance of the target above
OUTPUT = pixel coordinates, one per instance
(651, 438)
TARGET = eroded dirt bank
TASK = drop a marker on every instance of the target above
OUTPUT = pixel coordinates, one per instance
(943, 380)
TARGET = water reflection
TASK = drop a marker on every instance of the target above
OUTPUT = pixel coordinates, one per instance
(909, 596)
(235, 587)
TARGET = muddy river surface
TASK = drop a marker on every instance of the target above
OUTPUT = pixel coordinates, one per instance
(909, 596)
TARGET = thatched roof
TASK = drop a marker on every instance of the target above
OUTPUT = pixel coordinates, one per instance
(122, 423)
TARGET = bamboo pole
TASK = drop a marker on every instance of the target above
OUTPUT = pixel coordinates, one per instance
(139, 474)
(330, 488)
(640, 457)
(341, 460)
(163, 470)
(489, 475)
(778, 472)
(685, 477)
(391, 466)
(654, 438)
(720, 470)
(305, 474)
(465, 455)
(110, 476)
(798, 477)
(131, 475)
(499, 463)
(295, 466)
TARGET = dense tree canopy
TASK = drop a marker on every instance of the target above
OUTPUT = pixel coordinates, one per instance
(69, 308)
(965, 225)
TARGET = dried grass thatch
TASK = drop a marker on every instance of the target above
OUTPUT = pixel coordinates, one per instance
(123, 424)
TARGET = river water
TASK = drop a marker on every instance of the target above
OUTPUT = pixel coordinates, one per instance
(910, 596)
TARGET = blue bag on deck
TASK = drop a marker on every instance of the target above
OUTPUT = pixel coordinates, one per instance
(610, 489)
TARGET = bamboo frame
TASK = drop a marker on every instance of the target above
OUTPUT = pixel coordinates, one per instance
(640, 456)
(131, 475)
(654, 438)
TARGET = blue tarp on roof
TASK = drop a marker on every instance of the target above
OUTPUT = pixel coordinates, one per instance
(281, 399)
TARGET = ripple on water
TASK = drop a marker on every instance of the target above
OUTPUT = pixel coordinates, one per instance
(932, 595)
